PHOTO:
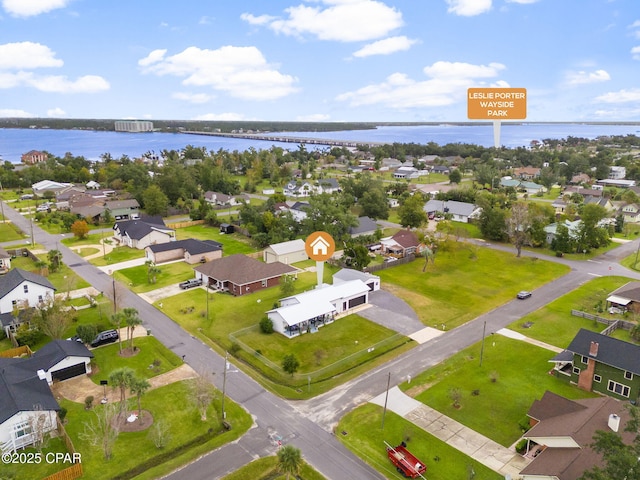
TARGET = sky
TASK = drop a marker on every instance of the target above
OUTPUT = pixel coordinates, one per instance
(317, 60)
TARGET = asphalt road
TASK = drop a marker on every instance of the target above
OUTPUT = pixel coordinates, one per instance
(308, 424)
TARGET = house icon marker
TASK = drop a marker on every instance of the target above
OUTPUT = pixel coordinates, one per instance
(320, 246)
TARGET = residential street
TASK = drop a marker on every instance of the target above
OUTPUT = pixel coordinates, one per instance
(308, 424)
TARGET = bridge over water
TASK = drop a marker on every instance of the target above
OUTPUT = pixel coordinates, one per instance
(287, 139)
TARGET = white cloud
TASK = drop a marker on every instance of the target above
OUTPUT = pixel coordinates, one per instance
(385, 47)
(522, 2)
(315, 117)
(193, 97)
(29, 8)
(339, 20)
(468, 8)
(621, 96)
(27, 55)
(257, 20)
(635, 53)
(243, 72)
(61, 84)
(154, 57)
(229, 116)
(447, 85)
(14, 113)
(56, 112)
(54, 83)
(582, 77)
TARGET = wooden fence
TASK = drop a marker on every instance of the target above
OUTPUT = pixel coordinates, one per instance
(190, 223)
(612, 324)
(74, 471)
(16, 352)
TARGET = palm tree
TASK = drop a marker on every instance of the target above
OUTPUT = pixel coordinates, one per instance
(138, 388)
(289, 460)
(116, 320)
(131, 320)
(122, 378)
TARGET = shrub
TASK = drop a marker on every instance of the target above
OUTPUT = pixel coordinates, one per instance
(87, 332)
(88, 402)
(521, 446)
(62, 413)
(266, 325)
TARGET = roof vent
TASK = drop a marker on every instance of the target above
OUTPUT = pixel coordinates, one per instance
(614, 422)
(593, 349)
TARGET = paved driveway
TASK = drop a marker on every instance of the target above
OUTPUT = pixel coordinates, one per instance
(391, 312)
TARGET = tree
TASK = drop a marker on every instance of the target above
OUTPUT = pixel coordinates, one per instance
(519, 224)
(122, 378)
(492, 224)
(152, 271)
(139, 386)
(80, 229)
(356, 255)
(289, 460)
(104, 430)
(117, 320)
(55, 260)
(375, 204)
(619, 459)
(201, 394)
(287, 285)
(155, 201)
(131, 320)
(411, 212)
(51, 318)
(290, 364)
(455, 176)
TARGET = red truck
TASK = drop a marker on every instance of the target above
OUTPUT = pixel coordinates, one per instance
(405, 462)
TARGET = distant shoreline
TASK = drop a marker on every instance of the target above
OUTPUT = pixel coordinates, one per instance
(178, 126)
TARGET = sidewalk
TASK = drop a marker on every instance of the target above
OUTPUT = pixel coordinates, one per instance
(453, 433)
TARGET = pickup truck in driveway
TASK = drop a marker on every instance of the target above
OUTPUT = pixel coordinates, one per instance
(194, 282)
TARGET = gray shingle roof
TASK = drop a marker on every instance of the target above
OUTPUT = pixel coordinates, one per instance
(16, 276)
(190, 245)
(611, 351)
(138, 229)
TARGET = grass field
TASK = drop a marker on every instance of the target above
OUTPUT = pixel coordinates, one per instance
(554, 324)
(228, 314)
(266, 468)
(138, 281)
(150, 349)
(361, 431)
(9, 232)
(167, 404)
(465, 282)
(520, 371)
(117, 255)
(233, 243)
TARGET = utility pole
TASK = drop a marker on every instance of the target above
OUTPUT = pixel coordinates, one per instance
(386, 397)
(224, 383)
(484, 328)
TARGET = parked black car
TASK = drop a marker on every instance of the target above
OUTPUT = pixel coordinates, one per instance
(194, 282)
(108, 336)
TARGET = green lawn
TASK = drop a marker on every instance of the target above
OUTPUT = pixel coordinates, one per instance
(150, 349)
(9, 232)
(265, 468)
(498, 409)
(117, 255)
(228, 314)
(138, 281)
(167, 404)
(554, 324)
(465, 281)
(361, 431)
(63, 280)
(338, 340)
(38, 469)
(233, 243)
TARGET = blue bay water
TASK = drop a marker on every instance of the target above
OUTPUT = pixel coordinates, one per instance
(91, 144)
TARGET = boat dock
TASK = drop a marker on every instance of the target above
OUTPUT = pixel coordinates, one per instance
(286, 139)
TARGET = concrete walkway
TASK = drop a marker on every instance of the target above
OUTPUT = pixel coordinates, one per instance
(505, 332)
(480, 448)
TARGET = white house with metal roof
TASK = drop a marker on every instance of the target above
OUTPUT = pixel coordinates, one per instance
(308, 311)
(286, 252)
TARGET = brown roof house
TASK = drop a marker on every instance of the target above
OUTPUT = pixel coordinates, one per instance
(627, 297)
(562, 432)
(34, 156)
(403, 243)
(241, 275)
